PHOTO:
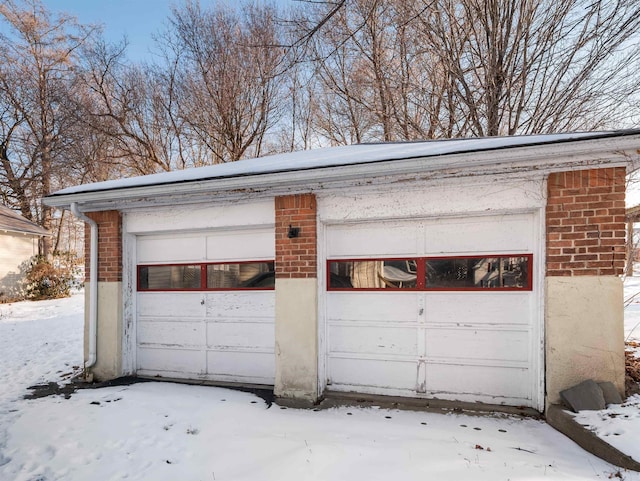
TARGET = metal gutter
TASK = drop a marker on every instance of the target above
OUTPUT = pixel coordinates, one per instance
(93, 286)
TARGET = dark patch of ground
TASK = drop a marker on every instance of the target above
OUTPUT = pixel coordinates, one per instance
(265, 394)
(50, 389)
(66, 390)
(54, 389)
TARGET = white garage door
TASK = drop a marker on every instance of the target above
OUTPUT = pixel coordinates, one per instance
(205, 306)
(443, 308)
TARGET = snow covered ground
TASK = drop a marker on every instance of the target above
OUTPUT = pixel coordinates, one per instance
(161, 431)
(620, 425)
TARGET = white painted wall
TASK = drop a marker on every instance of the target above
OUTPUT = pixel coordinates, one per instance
(584, 332)
(434, 199)
(15, 249)
(200, 217)
(109, 335)
(296, 339)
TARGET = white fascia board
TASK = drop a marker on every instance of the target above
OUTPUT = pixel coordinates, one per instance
(542, 159)
(26, 233)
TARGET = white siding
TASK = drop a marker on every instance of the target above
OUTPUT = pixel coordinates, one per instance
(201, 217)
(15, 250)
(425, 199)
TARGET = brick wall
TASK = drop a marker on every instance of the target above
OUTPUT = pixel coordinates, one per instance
(296, 257)
(109, 245)
(586, 222)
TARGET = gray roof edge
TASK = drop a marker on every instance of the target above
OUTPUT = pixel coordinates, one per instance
(56, 199)
(42, 233)
(12, 221)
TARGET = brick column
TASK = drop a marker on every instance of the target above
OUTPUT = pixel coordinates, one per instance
(586, 223)
(109, 339)
(296, 256)
(109, 246)
(585, 249)
(296, 298)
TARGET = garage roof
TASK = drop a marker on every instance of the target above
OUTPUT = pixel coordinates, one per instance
(358, 160)
(11, 221)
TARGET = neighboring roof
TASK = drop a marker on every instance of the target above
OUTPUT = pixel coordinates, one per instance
(11, 221)
(633, 212)
(359, 160)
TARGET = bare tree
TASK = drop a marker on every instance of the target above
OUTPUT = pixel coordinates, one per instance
(357, 62)
(524, 66)
(226, 76)
(126, 103)
(238, 82)
(379, 80)
(36, 70)
(443, 68)
(297, 129)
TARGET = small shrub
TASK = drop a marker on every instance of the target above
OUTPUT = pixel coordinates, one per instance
(51, 278)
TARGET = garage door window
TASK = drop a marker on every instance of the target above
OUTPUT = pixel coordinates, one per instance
(478, 273)
(207, 277)
(169, 278)
(241, 275)
(373, 274)
(496, 272)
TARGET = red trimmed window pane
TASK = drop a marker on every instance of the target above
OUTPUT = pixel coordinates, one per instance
(503, 272)
(241, 275)
(497, 272)
(207, 277)
(175, 277)
(373, 274)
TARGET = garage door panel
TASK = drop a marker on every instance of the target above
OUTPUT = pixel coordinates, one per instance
(180, 305)
(344, 374)
(487, 381)
(245, 305)
(156, 250)
(484, 234)
(221, 335)
(372, 306)
(171, 360)
(472, 345)
(171, 333)
(369, 240)
(241, 245)
(246, 366)
(478, 344)
(478, 308)
(247, 335)
(373, 340)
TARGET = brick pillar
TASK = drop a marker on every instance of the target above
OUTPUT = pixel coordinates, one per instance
(296, 257)
(296, 298)
(585, 249)
(110, 306)
(586, 223)
(109, 245)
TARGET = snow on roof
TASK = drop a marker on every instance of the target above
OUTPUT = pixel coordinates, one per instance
(11, 221)
(337, 156)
